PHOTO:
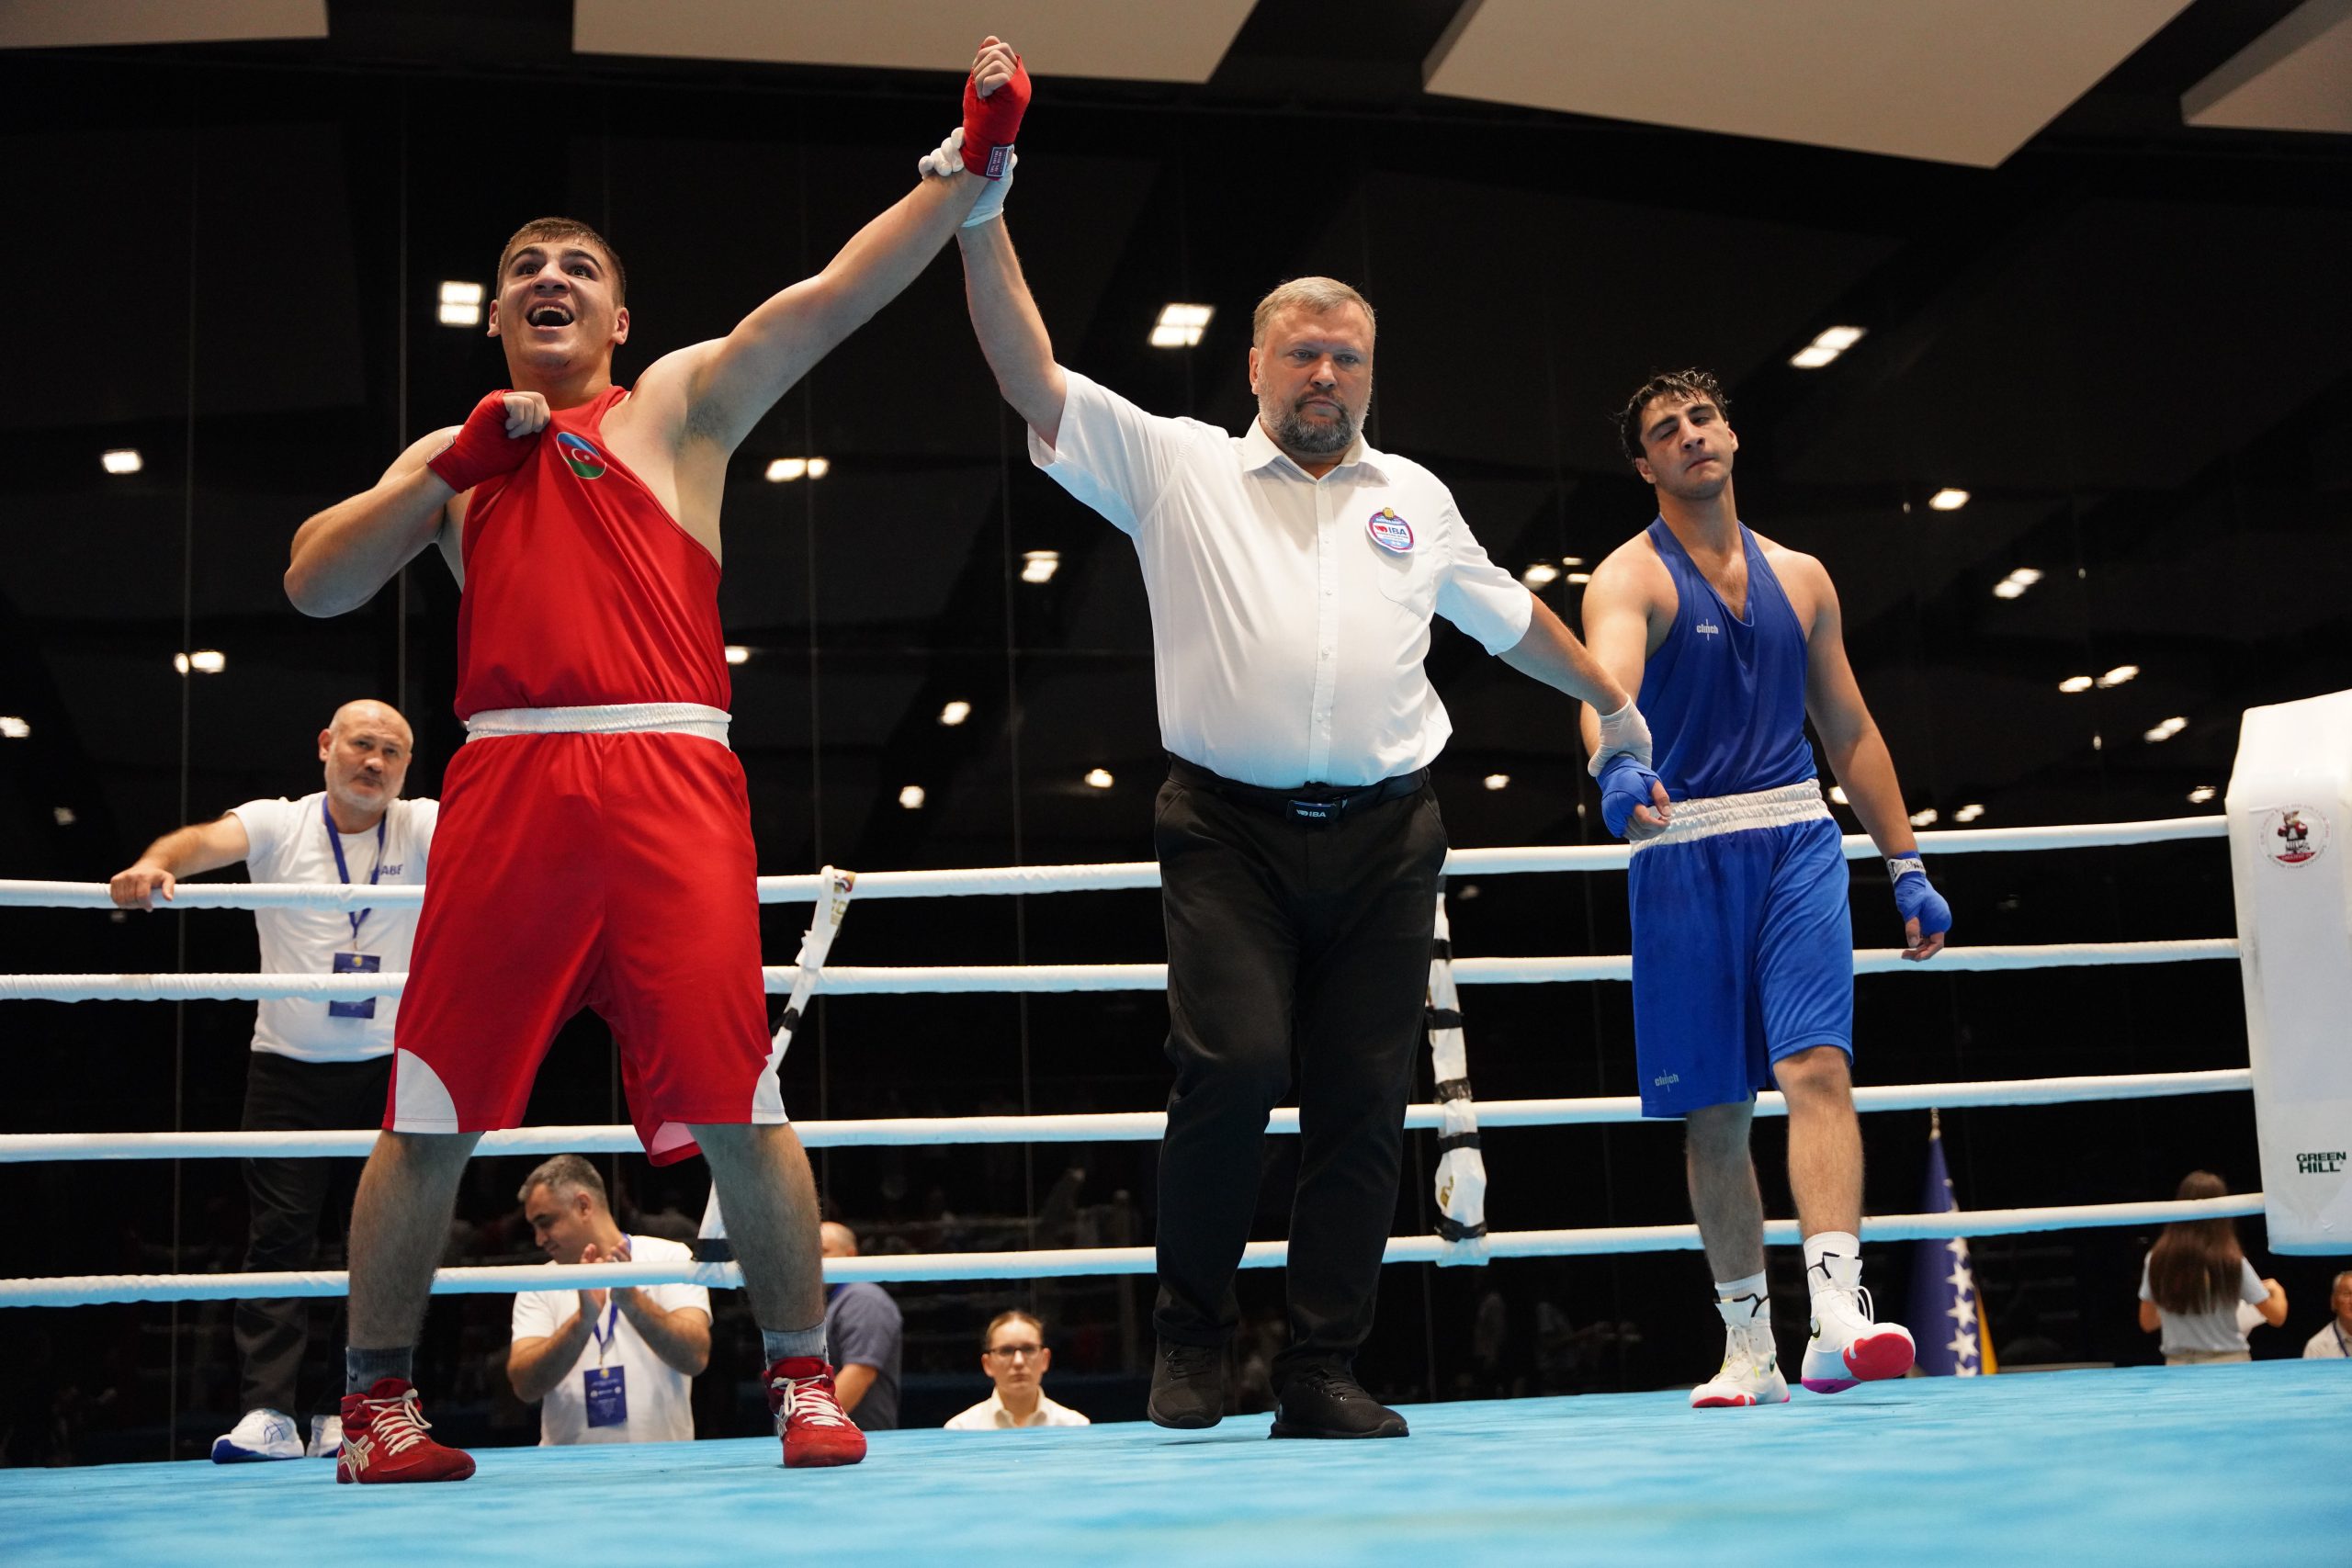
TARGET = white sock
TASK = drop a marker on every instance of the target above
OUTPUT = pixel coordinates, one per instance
(1832, 1260)
(1743, 1302)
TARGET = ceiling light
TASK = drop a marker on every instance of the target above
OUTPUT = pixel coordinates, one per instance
(1947, 499)
(64, 814)
(14, 728)
(912, 798)
(1542, 574)
(204, 661)
(1038, 566)
(1579, 578)
(1837, 794)
(1099, 777)
(1968, 813)
(784, 471)
(1923, 818)
(737, 654)
(954, 713)
(462, 304)
(2074, 684)
(1827, 346)
(2201, 794)
(820, 466)
(1572, 560)
(122, 461)
(1179, 326)
(2120, 673)
(2006, 588)
(2165, 731)
(1497, 781)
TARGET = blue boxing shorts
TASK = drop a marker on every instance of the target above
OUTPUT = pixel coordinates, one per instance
(1743, 947)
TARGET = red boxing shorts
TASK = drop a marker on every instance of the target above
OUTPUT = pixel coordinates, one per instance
(611, 871)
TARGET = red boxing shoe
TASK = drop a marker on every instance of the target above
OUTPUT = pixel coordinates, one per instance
(808, 1416)
(384, 1440)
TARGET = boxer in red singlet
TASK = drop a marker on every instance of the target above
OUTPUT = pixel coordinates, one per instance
(595, 844)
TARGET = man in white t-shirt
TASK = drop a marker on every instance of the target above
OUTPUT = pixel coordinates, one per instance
(1014, 1356)
(604, 1366)
(316, 1066)
(2334, 1340)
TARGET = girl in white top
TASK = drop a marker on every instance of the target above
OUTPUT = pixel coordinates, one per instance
(2194, 1279)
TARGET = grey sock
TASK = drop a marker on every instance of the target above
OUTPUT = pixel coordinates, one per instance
(777, 1344)
(361, 1369)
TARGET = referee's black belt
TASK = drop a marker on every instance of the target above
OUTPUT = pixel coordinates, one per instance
(1317, 804)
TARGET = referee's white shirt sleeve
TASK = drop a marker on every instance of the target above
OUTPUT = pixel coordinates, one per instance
(1290, 614)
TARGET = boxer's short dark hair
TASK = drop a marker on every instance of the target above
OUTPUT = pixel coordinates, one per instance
(551, 231)
(1692, 385)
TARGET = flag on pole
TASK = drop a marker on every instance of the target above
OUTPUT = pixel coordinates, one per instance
(1946, 1317)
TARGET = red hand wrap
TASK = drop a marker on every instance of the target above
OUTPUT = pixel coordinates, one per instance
(991, 123)
(482, 449)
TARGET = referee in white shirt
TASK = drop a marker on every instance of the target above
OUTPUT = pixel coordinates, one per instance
(1292, 572)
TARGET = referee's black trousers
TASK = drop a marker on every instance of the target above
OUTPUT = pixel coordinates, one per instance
(1286, 936)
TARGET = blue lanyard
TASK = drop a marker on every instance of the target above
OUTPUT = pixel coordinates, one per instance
(335, 842)
(603, 1336)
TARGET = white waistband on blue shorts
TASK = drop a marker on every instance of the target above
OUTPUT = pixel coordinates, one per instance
(1717, 814)
(613, 719)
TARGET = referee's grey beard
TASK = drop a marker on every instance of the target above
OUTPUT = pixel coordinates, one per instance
(1298, 436)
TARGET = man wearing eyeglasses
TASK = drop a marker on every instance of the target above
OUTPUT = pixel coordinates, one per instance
(1014, 1355)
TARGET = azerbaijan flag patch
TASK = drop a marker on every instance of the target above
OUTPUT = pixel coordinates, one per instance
(585, 460)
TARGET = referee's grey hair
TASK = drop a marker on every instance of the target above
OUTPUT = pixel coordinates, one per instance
(1320, 295)
(562, 1171)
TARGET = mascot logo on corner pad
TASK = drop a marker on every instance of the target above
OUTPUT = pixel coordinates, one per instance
(585, 460)
(1390, 532)
(2299, 833)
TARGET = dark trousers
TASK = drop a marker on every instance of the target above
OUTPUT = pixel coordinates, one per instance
(285, 1199)
(1286, 936)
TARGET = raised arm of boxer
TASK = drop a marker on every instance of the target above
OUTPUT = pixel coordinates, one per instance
(1857, 755)
(1620, 605)
(726, 386)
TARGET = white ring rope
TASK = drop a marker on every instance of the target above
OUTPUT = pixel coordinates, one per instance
(1033, 978)
(1103, 1127)
(1072, 1263)
(1095, 878)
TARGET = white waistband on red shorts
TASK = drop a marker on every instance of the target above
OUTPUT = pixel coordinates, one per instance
(1717, 814)
(613, 719)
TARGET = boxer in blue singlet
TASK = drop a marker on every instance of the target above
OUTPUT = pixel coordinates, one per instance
(1743, 967)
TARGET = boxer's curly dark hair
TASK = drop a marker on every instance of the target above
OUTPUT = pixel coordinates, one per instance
(1691, 386)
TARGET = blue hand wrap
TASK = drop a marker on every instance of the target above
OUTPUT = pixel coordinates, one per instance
(1917, 899)
(1625, 785)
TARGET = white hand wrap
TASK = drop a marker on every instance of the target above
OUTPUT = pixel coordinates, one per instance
(1624, 730)
(947, 161)
(1898, 866)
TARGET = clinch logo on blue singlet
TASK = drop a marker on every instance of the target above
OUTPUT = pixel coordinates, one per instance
(1708, 628)
(1665, 1080)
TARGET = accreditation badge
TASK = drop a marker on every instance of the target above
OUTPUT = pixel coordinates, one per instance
(355, 963)
(607, 1395)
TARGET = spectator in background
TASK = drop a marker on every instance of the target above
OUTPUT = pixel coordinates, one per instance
(604, 1366)
(2336, 1339)
(1013, 1354)
(867, 1334)
(2193, 1280)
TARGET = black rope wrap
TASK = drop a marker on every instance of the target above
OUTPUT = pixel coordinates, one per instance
(1453, 1140)
(1442, 1018)
(1452, 1088)
(1455, 1230)
(1442, 949)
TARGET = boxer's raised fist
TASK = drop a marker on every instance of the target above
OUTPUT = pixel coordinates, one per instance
(994, 97)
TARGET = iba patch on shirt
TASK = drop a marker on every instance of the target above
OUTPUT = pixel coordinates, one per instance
(585, 460)
(1391, 532)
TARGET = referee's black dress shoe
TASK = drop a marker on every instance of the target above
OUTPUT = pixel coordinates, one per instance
(1327, 1402)
(1187, 1385)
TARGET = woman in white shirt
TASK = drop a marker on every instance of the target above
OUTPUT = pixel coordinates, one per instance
(2194, 1279)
